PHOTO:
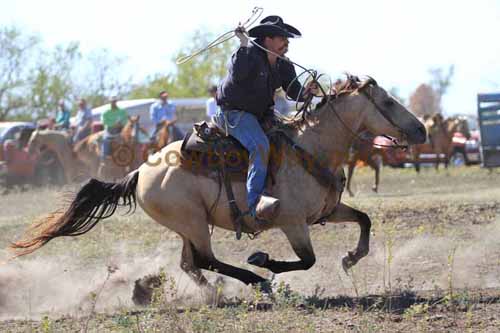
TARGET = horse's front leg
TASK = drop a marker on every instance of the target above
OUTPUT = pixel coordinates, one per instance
(344, 213)
(298, 236)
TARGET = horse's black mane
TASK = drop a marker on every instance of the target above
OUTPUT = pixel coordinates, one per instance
(340, 88)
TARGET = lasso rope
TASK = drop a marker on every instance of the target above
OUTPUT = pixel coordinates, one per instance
(256, 14)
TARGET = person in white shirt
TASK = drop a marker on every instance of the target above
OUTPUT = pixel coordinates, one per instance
(212, 106)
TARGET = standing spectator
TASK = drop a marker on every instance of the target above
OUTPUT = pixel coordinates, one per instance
(162, 111)
(211, 104)
(113, 120)
(83, 121)
(62, 117)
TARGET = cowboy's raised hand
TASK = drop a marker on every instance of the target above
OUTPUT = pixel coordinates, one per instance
(241, 33)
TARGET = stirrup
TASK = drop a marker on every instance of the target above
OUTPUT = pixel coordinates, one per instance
(238, 222)
(253, 216)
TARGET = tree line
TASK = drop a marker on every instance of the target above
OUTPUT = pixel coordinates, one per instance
(34, 78)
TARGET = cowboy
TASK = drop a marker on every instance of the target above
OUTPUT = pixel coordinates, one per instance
(62, 117)
(83, 121)
(161, 111)
(246, 100)
(113, 120)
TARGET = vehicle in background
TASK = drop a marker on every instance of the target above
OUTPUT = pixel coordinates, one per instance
(488, 109)
(17, 165)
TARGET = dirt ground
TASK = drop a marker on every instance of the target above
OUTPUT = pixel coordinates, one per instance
(434, 265)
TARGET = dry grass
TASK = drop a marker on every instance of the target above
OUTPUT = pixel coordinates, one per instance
(434, 264)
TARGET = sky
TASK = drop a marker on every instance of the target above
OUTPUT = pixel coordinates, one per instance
(396, 42)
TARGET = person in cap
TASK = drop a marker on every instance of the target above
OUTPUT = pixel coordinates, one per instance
(62, 116)
(113, 120)
(83, 121)
(245, 97)
(160, 112)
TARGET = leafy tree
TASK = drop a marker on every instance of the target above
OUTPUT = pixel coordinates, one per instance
(15, 53)
(192, 78)
(441, 80)
(52, 79)
(424, 101)
(102, 78)
(153, 85)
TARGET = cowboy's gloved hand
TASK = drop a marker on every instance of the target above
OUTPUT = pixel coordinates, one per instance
(241, 33)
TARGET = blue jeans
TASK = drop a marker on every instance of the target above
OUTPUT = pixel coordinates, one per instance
(245, 128)
(81, 134)
(107, 139)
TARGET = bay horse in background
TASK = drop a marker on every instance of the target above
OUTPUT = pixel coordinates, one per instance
(167, 134)
(440, 133)
(125, 156)
(363, 150)
(187, 202)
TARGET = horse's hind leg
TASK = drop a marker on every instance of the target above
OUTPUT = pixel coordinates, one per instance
(298, 236)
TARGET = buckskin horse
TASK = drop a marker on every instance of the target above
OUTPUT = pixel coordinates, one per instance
(181, 200)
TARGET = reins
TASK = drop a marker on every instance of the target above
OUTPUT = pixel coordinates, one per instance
(256, 14)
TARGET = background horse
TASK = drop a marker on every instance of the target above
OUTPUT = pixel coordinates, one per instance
(58, 142)
(166, 135)
(187, 203)
(125, 153)
(440, 139)
(365, 152)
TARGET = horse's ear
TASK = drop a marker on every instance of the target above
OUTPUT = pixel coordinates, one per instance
(372, 80)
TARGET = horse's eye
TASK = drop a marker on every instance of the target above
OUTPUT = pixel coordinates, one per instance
(388, 103)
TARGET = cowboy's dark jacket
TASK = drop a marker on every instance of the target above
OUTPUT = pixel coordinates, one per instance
(251, 82)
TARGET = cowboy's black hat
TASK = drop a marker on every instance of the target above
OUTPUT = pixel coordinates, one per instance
(274, 26)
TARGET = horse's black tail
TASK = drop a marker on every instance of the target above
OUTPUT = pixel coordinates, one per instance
(95, 201)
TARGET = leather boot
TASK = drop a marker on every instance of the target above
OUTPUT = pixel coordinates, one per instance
(267, 208)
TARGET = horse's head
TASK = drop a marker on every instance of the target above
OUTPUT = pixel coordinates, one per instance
(385, 115)
(133, 119)
(462, 126)
(437, 119)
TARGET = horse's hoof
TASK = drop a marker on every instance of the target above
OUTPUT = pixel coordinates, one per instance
(375, 189)
(347, 262)
(259, 259)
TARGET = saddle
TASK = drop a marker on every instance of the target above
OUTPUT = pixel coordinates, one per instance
(207, 151)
